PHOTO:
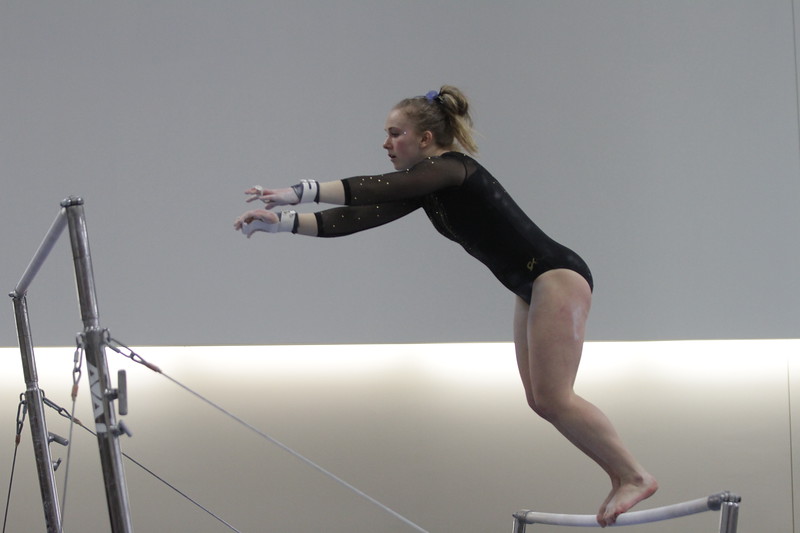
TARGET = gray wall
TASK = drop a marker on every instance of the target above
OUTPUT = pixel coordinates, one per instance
(659, 139)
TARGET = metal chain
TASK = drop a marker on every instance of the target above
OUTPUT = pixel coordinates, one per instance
(78, 364)
(77, 372)
(125, 351)
(22, 410)
(57, 408)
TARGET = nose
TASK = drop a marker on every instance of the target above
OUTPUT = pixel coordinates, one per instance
(387, 143)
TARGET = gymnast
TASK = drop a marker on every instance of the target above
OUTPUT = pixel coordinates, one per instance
(427, 137)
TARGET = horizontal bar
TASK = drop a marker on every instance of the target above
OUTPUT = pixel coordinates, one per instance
(626, 519)
(41, 254)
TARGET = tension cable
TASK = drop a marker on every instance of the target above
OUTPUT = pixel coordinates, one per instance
(63, 412)
(22, 410)
(125, 351)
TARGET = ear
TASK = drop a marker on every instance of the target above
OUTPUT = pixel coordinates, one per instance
(426, 140)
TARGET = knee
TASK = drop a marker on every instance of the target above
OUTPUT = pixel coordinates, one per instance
(548, 406)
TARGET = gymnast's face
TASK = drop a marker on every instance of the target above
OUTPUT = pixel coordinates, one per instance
(404, 144)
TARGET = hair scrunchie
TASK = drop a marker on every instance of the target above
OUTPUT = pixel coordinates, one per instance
(432, 96)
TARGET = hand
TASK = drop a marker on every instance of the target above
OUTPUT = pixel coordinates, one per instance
(268, 217)
(273, 197)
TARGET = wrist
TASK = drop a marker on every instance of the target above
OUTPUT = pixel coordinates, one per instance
(287, 222)
(307, 191)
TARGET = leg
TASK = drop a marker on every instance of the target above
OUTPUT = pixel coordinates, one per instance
(549, 336)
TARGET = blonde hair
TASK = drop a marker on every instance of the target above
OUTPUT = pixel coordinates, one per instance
(445, 114)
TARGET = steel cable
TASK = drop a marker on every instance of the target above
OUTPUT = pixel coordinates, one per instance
(130, 354)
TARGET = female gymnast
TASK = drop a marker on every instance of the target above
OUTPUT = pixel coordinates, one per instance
(426, 140)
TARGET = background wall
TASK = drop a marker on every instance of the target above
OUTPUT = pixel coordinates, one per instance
(439, 433)
(660, 140)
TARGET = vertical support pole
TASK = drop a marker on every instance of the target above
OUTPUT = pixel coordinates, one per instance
(519, 521)
(729, 515)
(39, 433)
(519, 525)
(94, 338)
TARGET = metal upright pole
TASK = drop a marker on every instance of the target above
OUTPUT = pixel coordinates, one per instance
(519, 524)
(39, 434)
(729, 513)
(102, 394)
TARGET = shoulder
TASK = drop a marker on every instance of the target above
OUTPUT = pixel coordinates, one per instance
(469, 167)
(460, 156)
(448, 169)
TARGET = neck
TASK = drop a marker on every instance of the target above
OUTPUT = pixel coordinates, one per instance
(438, 150)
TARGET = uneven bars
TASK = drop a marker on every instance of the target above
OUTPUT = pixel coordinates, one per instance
(41, 254)
(657, 514)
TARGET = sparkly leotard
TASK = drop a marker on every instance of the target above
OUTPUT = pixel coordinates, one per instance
(465, 204)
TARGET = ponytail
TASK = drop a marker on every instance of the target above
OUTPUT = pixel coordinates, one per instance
(445, 114)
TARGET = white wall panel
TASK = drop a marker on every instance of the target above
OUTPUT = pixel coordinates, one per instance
(440, 433)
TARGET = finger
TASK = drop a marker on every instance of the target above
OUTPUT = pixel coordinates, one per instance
(254, 192)
(242, 219)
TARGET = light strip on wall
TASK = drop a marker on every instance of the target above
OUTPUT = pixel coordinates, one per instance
(474, 362)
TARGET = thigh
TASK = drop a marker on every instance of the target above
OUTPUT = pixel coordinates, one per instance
(556, 326)
(521, 311)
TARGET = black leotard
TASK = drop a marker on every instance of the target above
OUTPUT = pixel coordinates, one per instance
(465, 204)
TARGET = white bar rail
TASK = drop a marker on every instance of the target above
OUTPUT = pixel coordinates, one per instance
(710, 503)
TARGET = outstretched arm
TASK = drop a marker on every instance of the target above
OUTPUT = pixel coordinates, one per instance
(328, 192)
(268, 221)
(372, 200)
(335, 222)
(427, 176)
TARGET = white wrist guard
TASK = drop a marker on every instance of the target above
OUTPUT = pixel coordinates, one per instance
(287, 221)
(307, 191)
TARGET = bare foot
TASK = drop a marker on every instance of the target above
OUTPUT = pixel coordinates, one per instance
(626, 496)
(602, 511)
